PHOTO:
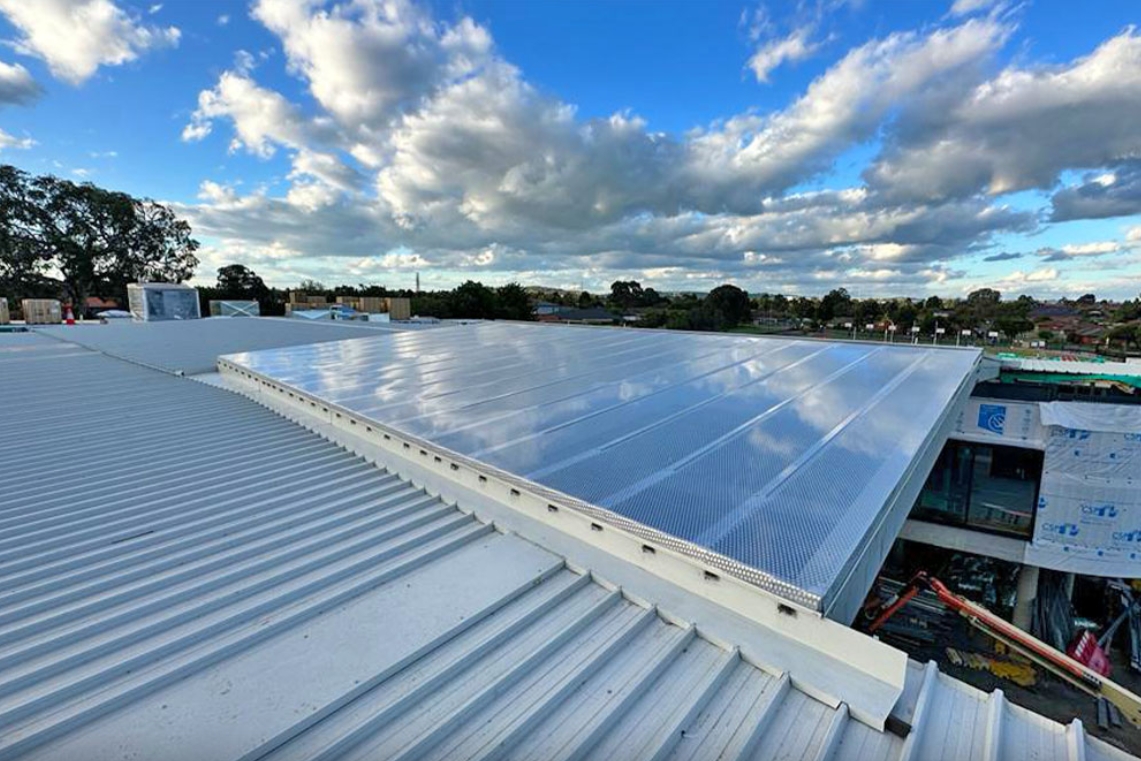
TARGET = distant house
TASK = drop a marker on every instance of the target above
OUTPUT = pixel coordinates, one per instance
(1042, 312)
(548, 307)
(1087, 334)
(591, 316)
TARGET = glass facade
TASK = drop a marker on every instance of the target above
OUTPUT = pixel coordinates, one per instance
(982, 486)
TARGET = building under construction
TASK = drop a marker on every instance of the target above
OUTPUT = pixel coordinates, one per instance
(489, 540)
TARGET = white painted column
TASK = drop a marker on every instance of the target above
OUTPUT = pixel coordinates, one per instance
(1024, 598)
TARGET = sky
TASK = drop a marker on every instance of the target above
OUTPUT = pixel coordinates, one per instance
(891, 147)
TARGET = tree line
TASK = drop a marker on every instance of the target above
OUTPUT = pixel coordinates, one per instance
(61, 239)
(471, 300)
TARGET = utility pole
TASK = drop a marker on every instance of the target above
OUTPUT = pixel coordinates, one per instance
(417, 282)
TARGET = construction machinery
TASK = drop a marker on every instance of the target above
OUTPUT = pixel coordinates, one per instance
(1056, 662)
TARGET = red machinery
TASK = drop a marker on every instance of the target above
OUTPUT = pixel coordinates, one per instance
(1035, 650)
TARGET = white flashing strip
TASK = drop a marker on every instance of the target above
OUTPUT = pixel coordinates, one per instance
(851, 668)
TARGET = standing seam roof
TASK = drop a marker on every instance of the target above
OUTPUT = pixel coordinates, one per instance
(212, 581)
(193, 346)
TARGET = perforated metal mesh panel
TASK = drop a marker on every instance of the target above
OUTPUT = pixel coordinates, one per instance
(780, 455)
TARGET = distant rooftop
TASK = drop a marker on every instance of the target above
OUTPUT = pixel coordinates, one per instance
(193, 346)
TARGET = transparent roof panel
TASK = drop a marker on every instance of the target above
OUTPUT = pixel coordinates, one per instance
(778, 455)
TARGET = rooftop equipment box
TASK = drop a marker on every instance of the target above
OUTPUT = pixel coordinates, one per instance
(400, 308)
(42, 311)
(4, 317)
(373, 304)
(154, 302)
(234, 308)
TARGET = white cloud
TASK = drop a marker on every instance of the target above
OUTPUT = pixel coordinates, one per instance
(1021, 129)
(76, 37)
(844, 106)
(19, 143)
(223, 19)
(366, 60)
(797, 46)
(1111, 193)
(1098, 248)
(17, 85)
(263, 119)
(967, 7)
(1075, 251)
(422, 147)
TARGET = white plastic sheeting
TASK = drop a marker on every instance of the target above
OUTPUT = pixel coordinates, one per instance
(1087, 416)
(1089, 505)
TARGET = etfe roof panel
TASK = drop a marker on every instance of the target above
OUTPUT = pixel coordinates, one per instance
(774, 458)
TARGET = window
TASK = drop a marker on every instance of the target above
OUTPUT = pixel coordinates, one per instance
(993, 488)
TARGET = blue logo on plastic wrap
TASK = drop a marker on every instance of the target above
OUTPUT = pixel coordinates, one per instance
(992, 417)
(1099, 511)
(1062, 529)
(1127, 536)
(1073, 433)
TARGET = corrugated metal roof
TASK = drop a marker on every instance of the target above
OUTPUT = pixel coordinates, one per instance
(212, 581)
(193, 346)
(1072, 368)
(783, 462)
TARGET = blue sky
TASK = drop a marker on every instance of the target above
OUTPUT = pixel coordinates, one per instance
(894, 148)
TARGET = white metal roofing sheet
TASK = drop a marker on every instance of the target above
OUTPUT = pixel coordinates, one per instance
(779, 457)
(185, 575)
(1072, 368)
(193, 346)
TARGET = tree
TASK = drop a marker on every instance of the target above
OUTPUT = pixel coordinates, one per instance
(1128, 335)
(19, 264)
(237, 281)
(729, 306)
(835, 302)
(95, 240)
(513, 303)
(311, 286)
(473, 300)
(626, 294)
(984, 296)
(1012, 325)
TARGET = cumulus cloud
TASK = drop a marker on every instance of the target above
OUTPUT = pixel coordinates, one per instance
(19, 143)
(1080, 250)
(1020, 129)
(1113, 192)
(365, 61)
(797, 46)
(423, 147)
(752, 154)
(16, 85)
(1005, 256)
(76, 37)
(967, 7)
